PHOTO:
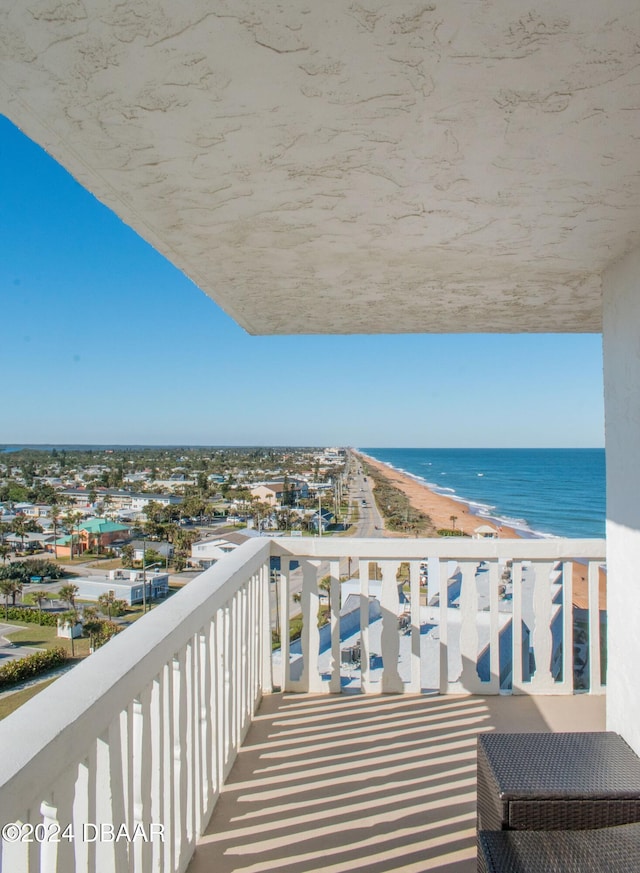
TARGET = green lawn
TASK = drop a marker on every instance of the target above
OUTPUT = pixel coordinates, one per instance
(11, 702)
(44, 637)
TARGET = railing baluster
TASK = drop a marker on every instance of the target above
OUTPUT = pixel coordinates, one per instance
(285, 583)
(49, 848)
(443, 598)
(244, 663)
(542, 680)
(168, 768)
(595, 681)
(493, 687)
(414, 594)
(334, 611)
(265, 667)
(219, 689)
(390, 643)
(179, 758)
(363, 567)
(141, 848)
(203, 796)
(517, 684)
(567, 628)
(157, 737)
(310, 680)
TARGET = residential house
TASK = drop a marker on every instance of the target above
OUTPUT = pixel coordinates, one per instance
(324, 517)
(205, 553)
(164, 549)
(30, 541)
(276, 493)
(94, 534)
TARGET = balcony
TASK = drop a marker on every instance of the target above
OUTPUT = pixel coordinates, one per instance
(143, 735)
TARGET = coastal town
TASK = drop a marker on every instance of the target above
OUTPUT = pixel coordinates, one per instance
(91, 539)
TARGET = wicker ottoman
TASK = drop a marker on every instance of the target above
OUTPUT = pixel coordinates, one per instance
(612, 850)
(556, 781)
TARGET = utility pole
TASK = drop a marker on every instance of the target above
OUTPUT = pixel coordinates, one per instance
(144, 575)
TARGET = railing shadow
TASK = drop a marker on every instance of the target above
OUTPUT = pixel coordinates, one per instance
(379, 783)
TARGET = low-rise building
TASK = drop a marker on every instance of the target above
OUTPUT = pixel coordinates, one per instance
(95, 533)
(276, 493)
(126, 585)
(164, 549)
(29, 541)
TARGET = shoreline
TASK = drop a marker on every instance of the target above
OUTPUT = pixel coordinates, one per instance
(438, 507)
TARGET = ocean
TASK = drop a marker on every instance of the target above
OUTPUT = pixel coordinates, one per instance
(540, 492)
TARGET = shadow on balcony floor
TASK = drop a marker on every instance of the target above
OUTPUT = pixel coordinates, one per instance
(366, 783)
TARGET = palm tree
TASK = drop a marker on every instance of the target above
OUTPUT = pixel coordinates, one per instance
(16, 589)
(6, 590)
(5, 551)
(69, 592)
(91, 624)
(71, 618)
(55, 518)
(71, 519)
(4, 530)
(106, 601)
(20, 528)
(39, 597)
(453, 519)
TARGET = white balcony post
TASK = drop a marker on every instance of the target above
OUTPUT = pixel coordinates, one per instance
(595, 684)
(363, 567)
(567, 627)
(621, 344)
(334, 612)
(414, 583)
(516, 630)
(390, 644)
(285, 588)
(494, 629)
(443, 598)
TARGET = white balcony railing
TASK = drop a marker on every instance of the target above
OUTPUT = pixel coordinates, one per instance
(480, 616)
(142, 733)
(139, 738)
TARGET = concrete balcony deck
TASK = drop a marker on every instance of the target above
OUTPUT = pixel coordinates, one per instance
(145, 733)
(375, 784)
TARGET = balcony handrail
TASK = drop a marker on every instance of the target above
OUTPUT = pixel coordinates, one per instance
(451, 548)
(81, 704)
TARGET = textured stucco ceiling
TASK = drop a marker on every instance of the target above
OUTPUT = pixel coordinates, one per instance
(351, 167)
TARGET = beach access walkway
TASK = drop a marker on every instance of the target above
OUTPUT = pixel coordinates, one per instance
(367, 783)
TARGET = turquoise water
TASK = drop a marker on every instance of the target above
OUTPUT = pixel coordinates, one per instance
(540, 492)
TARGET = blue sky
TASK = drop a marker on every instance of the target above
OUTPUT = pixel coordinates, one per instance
(104, 341)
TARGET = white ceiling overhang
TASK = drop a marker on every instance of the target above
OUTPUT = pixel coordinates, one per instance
(351, 167)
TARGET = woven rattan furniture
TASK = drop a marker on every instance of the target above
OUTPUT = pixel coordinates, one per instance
(612, 850)
(560, 781)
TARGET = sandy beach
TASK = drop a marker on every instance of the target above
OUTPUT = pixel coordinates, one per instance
(437, 506)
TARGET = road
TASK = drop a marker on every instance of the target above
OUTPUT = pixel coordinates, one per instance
(370, 522)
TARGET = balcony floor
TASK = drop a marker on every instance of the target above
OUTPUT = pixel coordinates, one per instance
(376, 784)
